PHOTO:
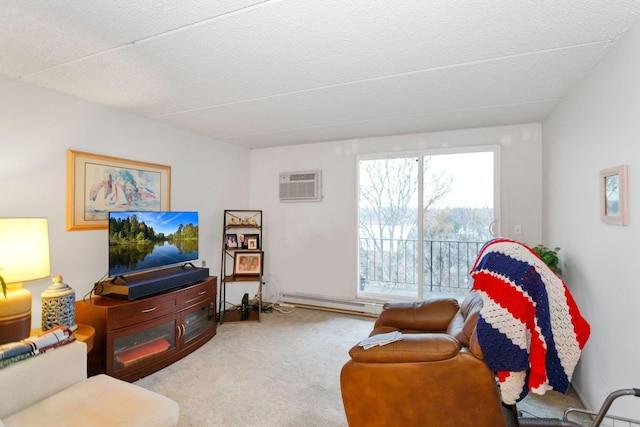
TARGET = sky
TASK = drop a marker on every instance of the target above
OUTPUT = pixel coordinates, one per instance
(472, 178)
(472, 184)
(161, 222)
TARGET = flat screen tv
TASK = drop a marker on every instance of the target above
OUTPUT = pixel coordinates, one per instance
(145, 240)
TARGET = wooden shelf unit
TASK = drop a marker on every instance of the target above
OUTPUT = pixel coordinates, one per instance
(136, 338)
(233, 316)
(246, 223)
(250, 278)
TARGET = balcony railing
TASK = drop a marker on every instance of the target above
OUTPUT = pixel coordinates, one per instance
(390, 266)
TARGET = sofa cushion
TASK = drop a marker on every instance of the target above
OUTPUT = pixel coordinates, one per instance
(99, 401)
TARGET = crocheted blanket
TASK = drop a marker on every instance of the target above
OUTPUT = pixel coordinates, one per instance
(529, 329)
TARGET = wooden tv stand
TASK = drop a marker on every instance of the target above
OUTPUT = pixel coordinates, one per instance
(136, 338)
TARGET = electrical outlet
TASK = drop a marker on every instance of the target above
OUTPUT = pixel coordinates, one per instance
(203, 263)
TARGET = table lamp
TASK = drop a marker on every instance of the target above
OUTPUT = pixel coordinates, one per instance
(24, 255)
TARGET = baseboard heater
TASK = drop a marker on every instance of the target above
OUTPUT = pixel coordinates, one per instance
(319, 301)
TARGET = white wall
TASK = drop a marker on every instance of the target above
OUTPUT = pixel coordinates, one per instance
(311, 248)
(595, 128)
(38, 126)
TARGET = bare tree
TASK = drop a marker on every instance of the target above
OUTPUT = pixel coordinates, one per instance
(389, 213)
(387, 196)
(452, 232)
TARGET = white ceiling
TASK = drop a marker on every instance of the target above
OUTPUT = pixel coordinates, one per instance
(270, 73)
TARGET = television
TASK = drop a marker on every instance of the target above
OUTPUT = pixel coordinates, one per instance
(146, 240)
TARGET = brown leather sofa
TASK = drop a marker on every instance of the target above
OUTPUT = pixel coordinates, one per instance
(434, 376)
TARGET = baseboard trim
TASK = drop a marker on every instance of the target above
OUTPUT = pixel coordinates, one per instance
(323, 308)
(341, 305)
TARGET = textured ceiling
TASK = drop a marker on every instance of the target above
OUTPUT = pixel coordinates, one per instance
(271, 73)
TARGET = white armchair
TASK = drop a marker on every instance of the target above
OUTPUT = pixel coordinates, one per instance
(52, 389)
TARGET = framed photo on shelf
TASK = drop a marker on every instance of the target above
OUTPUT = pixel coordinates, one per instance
(247, 263)
(232, 241)
(251, 241)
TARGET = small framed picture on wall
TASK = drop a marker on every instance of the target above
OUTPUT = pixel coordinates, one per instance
(613, 196)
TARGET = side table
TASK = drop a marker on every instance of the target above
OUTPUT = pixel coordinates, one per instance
(85, 333)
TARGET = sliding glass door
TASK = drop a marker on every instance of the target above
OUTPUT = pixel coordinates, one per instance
(422, 221)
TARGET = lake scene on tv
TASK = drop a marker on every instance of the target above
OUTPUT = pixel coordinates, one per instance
(147, 240)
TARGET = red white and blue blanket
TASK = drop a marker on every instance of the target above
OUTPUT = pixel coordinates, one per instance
(529, 329)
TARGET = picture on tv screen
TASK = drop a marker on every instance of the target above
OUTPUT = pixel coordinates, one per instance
(147, 240)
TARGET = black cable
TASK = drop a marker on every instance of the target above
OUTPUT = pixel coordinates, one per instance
(95, 286)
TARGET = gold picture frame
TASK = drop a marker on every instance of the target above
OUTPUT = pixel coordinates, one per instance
(613, 196)
(98, 184)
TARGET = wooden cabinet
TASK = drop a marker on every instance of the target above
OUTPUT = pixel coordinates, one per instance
(136, 338)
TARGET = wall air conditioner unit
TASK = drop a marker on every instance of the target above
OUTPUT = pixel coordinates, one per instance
(301, 186)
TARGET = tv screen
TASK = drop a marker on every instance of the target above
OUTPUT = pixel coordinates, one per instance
(149, 240)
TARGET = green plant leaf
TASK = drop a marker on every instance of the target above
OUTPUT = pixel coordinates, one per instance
(4, 287)
(548, 256)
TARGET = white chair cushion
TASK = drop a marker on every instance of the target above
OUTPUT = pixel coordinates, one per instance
(99, 401)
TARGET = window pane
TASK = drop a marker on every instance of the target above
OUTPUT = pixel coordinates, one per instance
(388, 214)
(423, 221)
(458, 211)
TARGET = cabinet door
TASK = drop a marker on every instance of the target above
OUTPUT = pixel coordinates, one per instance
(198, 322)
(133, 348)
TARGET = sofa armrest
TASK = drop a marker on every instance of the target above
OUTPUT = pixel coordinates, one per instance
(411, 348)
(458, 391)
(33, 379)
(426, 316)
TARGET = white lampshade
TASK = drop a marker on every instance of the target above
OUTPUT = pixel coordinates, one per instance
(24, 249)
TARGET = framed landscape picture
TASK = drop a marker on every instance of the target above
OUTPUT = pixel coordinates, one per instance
(613, 195)
(97, 185)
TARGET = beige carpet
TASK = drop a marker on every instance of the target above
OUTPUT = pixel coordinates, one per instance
(282, 371)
